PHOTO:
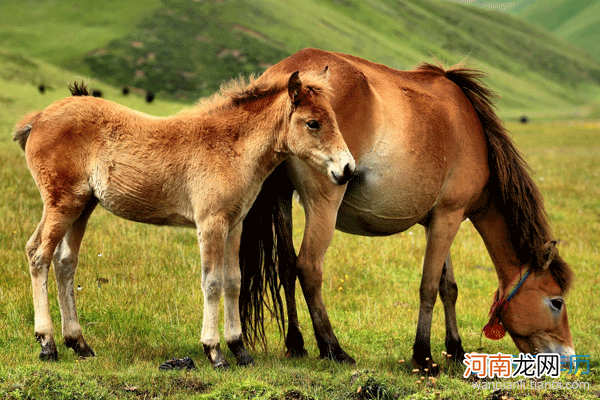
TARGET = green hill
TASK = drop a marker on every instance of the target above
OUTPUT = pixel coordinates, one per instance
(183, 49)
(577, 21)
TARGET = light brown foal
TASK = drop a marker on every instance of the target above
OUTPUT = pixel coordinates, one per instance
(201, 168)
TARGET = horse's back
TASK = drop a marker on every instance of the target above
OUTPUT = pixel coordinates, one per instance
(416, 137)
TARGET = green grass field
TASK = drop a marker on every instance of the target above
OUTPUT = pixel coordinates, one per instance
(140, 303)
(138, 286)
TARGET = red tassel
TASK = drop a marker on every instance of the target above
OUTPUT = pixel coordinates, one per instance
(494, 330)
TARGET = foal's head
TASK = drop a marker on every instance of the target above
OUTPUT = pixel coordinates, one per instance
(536, 317)
(313, 133)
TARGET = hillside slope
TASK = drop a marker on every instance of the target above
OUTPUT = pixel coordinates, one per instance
(184, 49)
(577, 21)
(21, 76)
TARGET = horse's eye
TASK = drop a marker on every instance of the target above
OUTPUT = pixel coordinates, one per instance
(556, 303)
(313, 124)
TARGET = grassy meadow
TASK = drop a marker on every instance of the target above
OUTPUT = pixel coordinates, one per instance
(140, 302)
(138, 286)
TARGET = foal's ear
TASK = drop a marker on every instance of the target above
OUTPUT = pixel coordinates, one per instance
(549, 253)
(295, 87)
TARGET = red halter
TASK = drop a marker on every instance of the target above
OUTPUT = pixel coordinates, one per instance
(494, 329)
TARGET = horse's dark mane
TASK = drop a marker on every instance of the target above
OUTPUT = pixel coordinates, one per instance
(511, 185)
(79, 89)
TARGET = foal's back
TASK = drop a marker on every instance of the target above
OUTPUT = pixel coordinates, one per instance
(82, 148)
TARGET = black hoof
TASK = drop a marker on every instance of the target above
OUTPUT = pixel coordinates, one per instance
(221, 364)
(49, 352)
(215, 356)
(339, 356)
(426, 366)
(294, 342)
(80, 347)
(455, 351)
(296, 353)
(242, 356)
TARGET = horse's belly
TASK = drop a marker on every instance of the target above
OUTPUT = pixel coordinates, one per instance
(380, 204)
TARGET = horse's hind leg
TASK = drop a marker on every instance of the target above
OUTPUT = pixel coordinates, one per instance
(231, 290)
(294, 342)
(40, 249)
(65, 263)
(448, 295)
(441, 230)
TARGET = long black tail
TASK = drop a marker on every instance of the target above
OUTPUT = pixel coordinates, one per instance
(259, 265)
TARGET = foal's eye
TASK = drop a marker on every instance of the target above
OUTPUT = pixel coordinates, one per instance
(556, 303)
(313, 124)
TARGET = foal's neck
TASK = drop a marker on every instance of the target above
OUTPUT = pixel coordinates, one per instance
(253, 130)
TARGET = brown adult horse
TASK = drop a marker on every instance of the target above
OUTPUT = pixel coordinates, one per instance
(201, 168)
(431, 151)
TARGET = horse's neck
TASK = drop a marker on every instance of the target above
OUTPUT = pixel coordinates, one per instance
(493, 229)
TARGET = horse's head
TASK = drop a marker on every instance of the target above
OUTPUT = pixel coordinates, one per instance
(313, 133)
(536, 316)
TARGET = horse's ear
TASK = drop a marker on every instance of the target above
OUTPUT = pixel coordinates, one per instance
(295, 87)
(325, 72)
(549, 253)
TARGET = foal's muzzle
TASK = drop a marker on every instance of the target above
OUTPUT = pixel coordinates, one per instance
(345, 170)
(345, 176)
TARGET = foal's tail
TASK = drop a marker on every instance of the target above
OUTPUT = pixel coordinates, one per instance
(511, 185)
(23, 128)
(259, 264)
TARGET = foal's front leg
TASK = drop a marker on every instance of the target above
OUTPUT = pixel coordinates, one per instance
(212, 237)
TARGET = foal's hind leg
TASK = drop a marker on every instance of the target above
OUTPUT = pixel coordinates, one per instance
(65, 263)
(40, 249)
(212, 237)
(448, 295)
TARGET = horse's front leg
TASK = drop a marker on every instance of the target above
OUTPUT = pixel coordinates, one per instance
(321, 201)
(212, 237)
(441, 230)
(232, 285)
(449, 295)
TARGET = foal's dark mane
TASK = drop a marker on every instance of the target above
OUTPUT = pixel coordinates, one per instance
(241, 91)
(511, 186)
(79, 89)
